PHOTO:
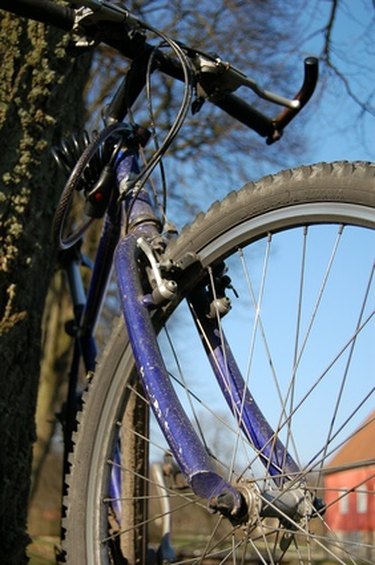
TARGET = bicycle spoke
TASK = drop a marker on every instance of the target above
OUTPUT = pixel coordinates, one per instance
(350, 355)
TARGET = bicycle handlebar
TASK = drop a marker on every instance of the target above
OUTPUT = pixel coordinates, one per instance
(43, 11)
(46, 11)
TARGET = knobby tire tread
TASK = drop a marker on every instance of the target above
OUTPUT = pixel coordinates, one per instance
(258, 197)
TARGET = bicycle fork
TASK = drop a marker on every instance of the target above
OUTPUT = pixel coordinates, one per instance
(241, 502)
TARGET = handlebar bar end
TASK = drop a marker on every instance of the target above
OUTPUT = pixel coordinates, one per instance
(309, 83)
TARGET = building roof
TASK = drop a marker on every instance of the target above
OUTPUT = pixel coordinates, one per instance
(358, 450)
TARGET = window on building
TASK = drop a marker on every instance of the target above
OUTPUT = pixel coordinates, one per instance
(361, 501)
(344, 501)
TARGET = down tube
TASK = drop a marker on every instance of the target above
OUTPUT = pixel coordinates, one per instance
(183, 441)
(269, 448)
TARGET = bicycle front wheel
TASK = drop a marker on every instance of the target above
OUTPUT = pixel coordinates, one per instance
(298, 248)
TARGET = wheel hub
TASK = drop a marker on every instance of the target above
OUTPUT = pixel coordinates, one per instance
(293, 505)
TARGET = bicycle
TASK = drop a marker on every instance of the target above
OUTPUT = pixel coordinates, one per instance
(257, 496)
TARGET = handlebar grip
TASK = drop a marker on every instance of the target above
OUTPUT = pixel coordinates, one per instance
(246, 114)
(43, 11)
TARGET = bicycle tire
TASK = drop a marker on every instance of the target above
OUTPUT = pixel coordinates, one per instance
(322, 194)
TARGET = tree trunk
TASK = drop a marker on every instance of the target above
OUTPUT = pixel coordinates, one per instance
(56, 346)
(40, 94)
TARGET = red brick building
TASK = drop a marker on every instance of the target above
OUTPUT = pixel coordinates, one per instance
(349, 484)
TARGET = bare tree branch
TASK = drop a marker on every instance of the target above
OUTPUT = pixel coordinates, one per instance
(328, 32)
(327, 56)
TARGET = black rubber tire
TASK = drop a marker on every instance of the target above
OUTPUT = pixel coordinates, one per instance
(321, 183)
(321, 188)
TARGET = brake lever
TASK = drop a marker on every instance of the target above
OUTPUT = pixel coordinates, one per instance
(230, 79)
(218, 78)
(91, 14)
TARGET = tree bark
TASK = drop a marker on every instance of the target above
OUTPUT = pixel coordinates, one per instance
(40, 95)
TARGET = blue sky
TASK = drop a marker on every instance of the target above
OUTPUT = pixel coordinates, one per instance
(334, 126)
(339, 129)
